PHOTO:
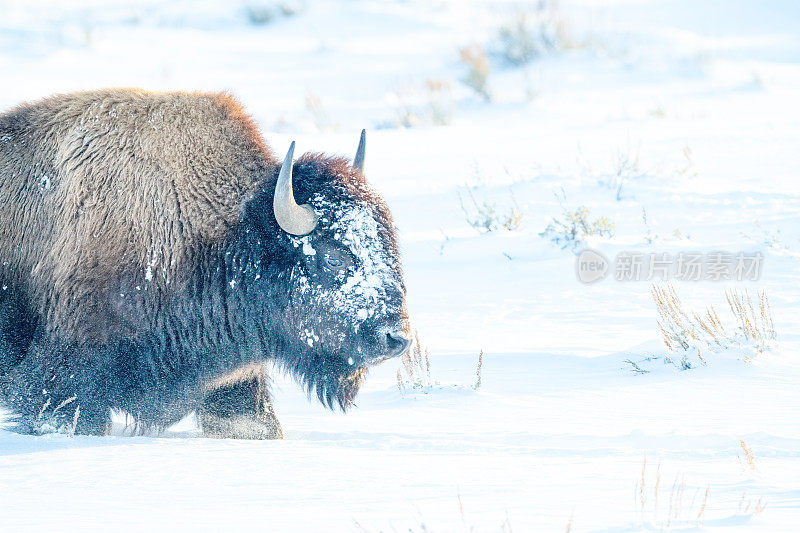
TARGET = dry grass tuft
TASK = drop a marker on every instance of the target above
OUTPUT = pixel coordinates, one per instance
(478, 371)
(676, 326)
(440, 101)
(749, 460)
(505, 526)
(415, 372)
(681, 509)
(755, 323)
(640, 486)
(319, 114)
(685, 332)
(703, 505)
(748, 506)
(415, 369)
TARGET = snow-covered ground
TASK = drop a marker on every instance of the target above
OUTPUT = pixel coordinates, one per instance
(691, 106)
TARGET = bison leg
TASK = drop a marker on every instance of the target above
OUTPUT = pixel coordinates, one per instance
(85, 423)
(237, 406)
(53, 390)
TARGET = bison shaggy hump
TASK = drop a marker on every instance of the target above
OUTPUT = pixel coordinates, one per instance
(143, 265)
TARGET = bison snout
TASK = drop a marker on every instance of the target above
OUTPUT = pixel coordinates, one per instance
(391, 343)
(397, 343)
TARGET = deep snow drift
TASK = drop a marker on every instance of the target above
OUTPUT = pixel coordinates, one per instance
(675, 121)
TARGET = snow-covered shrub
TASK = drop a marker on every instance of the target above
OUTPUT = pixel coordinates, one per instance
(429, 105)
(573, 228)
(626, 168)
(689, 335)
(768, 237)
(478, 69)
(527, 35)
(440, 101)
(265, 13)
(485, 216)
(651, 236)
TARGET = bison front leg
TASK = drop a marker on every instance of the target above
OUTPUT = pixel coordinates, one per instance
(56, 389)
(237, 406)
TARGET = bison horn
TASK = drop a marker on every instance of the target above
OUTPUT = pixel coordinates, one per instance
(292, 218)
(358, 162)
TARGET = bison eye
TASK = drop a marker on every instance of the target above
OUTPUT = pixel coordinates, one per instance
(334, 260)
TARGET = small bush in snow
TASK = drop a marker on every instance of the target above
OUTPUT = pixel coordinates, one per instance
(687, 334)
(772, 238)
(525, 36)
(651, 236)
(260, 15)
(478, 69)
(431, 104)
(573, 228)
(263, 14)
(626, 168)
(485, 216)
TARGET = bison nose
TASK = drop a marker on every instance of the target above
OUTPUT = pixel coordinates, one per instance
(397, 343)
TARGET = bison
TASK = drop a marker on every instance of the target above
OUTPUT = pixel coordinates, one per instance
(156, 255)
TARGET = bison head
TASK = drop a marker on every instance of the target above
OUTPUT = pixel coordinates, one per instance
(342, 294)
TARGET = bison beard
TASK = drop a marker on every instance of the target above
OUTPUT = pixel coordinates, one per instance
(343, 388)
(155, 254)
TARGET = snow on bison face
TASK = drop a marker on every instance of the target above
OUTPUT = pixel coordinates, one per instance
(346, 303)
